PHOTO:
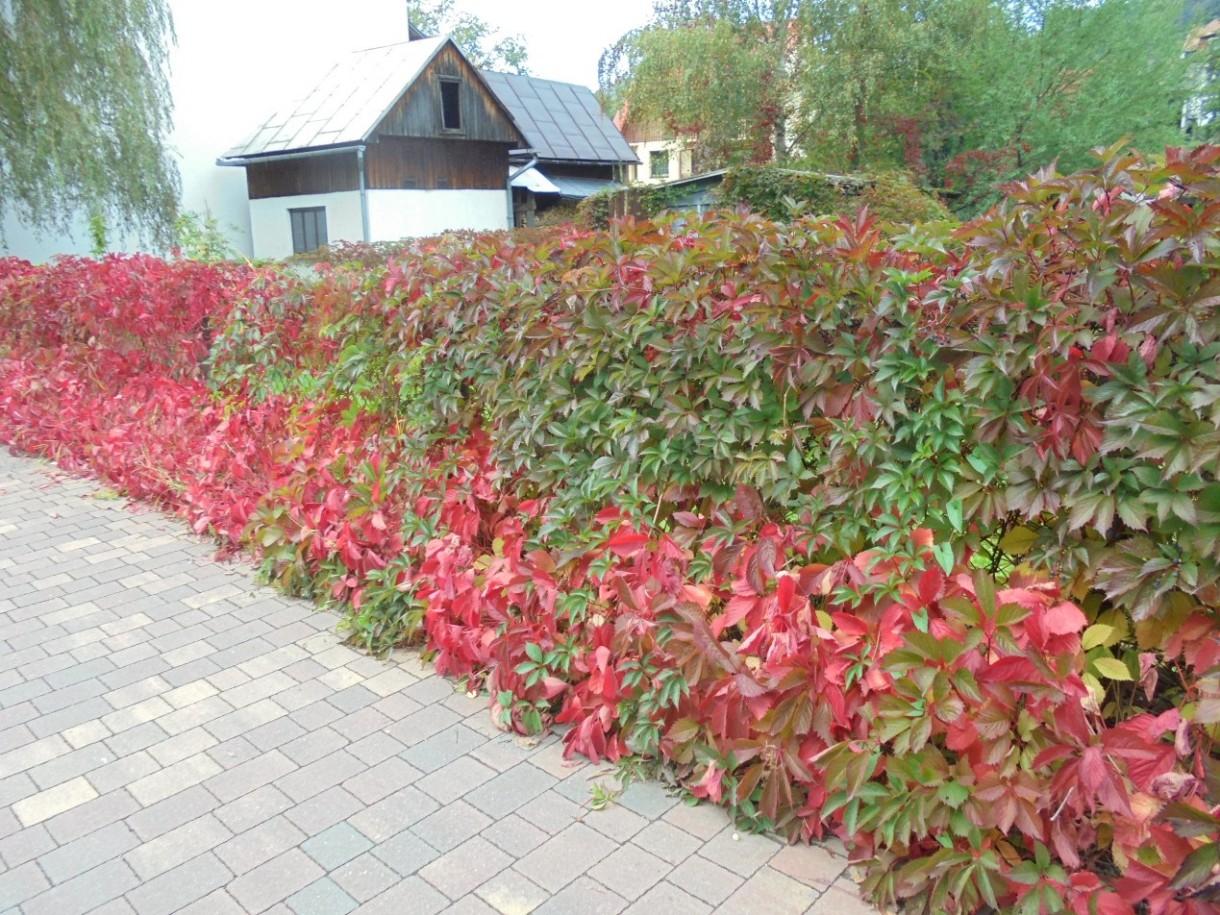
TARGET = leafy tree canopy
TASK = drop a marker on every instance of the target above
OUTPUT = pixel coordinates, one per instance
(964, 93)
(482, 44)
(85, 112)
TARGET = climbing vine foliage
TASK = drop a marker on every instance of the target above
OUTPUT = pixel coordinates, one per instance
(910, 537)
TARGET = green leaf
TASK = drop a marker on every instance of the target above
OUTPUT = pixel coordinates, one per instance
(944, 555)
(1111, 668)
(534, 651)
(1017, 542)
(1197, 867)
(1095, 635)
(954, 510)
(953, 794)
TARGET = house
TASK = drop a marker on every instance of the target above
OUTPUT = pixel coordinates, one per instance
(663, 156)
(409, 140)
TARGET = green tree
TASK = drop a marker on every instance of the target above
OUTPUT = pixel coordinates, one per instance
(481, 43)
(880, 80)
(964, 93)
(85, 112)
(1076, 75)
(718, 72)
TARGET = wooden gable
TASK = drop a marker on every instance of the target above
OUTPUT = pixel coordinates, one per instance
(421, 111)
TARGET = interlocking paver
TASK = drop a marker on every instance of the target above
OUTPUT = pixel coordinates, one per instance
(175, 738)
(53, 801)
(324, 810)
(585, 896)
(629, 871)
(451, 825)
(511, 789)
(740, 852)
(22, 883)
(564, 857)
(86, 891)
(710, 882)
(457, 778)
(92, 815)
(336, 846)
(770, 891)
(511, 893)
(25, 845)
(515, 835)
(364, 877)
(177, 846)
(381, 780)
(462, 869)
(405, 853)
(412, 896)
(256, 807)
(88, 852)
(666, 841)
(260, 844)
(322, 897)
(275, 880)
(186, 883)
(161, 817)
(667, 898)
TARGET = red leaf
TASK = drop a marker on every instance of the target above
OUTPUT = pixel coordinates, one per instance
(750, 503)
(1064, 619)
(627, 543)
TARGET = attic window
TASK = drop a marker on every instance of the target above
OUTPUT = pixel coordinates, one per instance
(451, 107)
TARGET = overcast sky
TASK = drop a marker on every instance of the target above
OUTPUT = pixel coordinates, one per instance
(564, 39)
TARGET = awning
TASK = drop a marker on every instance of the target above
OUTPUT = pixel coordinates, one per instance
(580, 188)
(533, 180)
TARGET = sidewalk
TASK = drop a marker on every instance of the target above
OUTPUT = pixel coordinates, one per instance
(176, 738)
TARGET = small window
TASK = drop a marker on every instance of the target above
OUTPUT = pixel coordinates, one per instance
(308, 229)
(443, 184)
(409, 184)
(658, 163)
(451, 104)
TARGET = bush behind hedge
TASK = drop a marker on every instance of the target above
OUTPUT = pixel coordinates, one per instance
(911, 537)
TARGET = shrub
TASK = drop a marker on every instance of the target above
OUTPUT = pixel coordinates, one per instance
(783, 194)
(906, 537)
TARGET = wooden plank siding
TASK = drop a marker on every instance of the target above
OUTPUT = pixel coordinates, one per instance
(312, 175)
(401, 162)
(418, 112)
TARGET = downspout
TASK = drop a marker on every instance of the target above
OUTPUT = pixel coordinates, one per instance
(513, 176)
(364, 193)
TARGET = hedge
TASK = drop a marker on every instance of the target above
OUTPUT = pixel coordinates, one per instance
(910, 536)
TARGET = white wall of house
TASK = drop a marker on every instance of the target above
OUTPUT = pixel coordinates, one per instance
(271, 226)
(395, 214)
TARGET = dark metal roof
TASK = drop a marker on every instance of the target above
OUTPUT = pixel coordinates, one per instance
(561, 121)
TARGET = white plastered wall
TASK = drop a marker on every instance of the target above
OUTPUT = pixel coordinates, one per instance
(395, 214)
(271, 226)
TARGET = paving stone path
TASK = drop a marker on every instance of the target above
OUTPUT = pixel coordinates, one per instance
(176, 738)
